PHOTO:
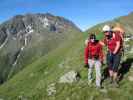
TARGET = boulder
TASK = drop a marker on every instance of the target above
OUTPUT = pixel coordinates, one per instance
(69, 77)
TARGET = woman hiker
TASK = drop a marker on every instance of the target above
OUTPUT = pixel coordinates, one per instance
(93, 58)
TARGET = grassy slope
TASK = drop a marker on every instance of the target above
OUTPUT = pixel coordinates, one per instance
(32, 82)
(42, 65)
(36, 48)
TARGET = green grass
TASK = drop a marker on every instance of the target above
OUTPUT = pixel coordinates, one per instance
(32, 82)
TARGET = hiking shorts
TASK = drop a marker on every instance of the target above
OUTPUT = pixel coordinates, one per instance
(113, 61)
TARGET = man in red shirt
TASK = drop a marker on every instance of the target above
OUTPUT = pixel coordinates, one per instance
(113, 42)
(93, 57)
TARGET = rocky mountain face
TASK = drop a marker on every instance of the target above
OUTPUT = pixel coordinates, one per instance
(25, 38)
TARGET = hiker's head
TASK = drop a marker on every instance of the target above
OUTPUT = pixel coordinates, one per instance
(92, 38)
(107, 30)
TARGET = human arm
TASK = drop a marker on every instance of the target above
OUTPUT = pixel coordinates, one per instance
(117, 47)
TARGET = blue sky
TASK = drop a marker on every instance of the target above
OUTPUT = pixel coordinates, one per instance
(84, 13)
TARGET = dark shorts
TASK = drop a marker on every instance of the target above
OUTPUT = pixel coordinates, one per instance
(113, 61)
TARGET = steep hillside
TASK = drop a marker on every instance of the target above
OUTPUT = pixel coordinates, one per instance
(25, 38)
(34, 79)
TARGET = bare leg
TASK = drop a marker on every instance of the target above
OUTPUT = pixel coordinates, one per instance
(115, 79)
(115, 76)
(111, 75)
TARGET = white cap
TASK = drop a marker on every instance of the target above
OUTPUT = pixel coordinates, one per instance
(106, 28)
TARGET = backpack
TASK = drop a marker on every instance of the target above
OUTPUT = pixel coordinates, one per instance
(119, 30)
(121, 35)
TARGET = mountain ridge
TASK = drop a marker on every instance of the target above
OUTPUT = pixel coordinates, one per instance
(125, 21)
(30, 36)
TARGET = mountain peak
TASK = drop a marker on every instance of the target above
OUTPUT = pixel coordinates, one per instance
(31, 34)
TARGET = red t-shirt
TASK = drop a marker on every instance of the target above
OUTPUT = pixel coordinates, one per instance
(111, 43)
